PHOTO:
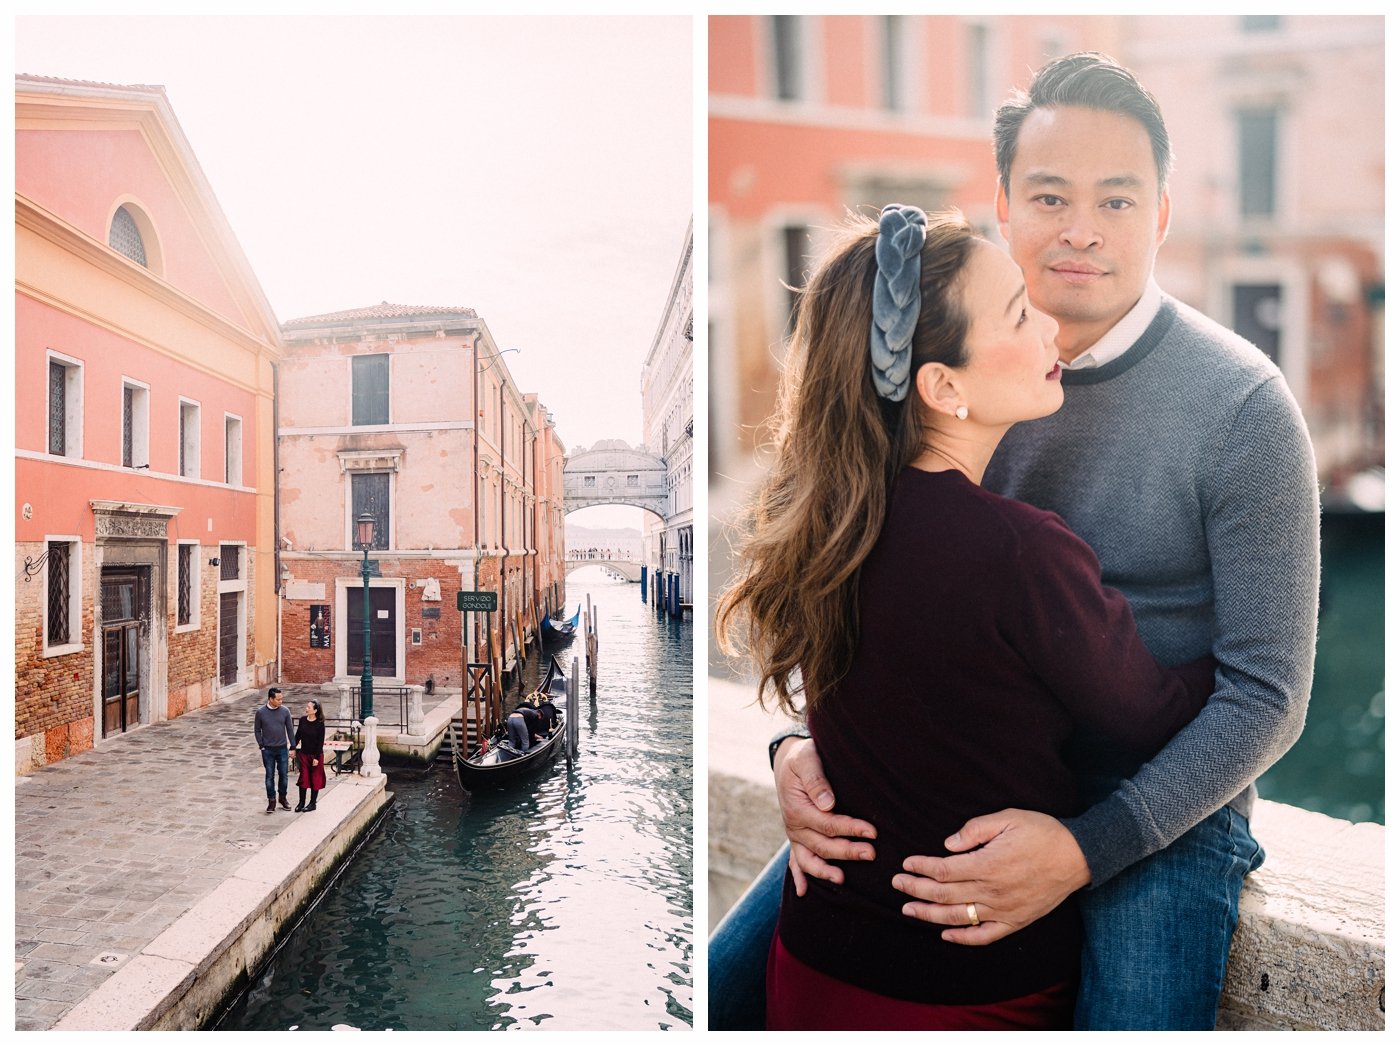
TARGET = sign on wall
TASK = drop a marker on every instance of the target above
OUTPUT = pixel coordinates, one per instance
(320, 625)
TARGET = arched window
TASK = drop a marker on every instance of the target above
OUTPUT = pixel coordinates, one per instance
(126, 237)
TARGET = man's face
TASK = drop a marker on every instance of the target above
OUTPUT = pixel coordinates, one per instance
(274, 700)
(1083, 218)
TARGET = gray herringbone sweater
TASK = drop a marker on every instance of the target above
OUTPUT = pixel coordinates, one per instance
(1186, 466)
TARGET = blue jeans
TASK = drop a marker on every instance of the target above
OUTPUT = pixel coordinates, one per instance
(739, 952)
(1156, 937)
(275, 759)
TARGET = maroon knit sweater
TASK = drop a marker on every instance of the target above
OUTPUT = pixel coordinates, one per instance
(986, 640)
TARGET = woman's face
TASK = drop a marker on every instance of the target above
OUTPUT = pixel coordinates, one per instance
(1013, 369)
(310, 708)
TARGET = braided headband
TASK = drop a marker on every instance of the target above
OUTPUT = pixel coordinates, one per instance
(898, 251)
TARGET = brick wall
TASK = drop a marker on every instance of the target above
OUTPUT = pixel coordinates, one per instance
(191, 654)
(53, 696)
(439, 654)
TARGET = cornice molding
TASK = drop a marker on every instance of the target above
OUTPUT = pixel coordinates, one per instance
(73, 241)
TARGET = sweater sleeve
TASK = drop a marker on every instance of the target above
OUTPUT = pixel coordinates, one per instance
(1079, 639)
(1261, 515)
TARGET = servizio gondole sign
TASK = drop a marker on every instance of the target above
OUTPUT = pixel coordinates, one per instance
(474, 602)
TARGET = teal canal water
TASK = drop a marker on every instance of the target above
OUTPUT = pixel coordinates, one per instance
(562, 903)
(1338, 765)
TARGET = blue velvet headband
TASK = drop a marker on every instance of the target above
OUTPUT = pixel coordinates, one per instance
(898, 251)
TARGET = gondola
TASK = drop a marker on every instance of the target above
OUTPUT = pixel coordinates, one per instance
(499, 762)
(558, 630)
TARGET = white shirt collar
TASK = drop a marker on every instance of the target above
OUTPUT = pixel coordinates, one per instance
(1121, 336)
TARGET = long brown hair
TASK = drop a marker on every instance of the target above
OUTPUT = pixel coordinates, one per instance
(839, 447)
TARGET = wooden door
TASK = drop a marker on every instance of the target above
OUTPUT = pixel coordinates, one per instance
(121, 677)
(383, 632)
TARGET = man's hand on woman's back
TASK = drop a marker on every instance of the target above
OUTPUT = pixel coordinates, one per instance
(806, 800)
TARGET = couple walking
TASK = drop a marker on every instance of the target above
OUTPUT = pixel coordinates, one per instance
(272, 727)
(1019, 798)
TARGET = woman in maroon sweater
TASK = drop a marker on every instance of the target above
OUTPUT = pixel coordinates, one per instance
(875, 564)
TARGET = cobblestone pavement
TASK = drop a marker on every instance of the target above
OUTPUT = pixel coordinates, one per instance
(115, 844)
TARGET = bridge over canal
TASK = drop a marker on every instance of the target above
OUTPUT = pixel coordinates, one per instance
(612, 472)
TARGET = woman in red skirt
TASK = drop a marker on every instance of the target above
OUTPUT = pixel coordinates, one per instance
(311, 759)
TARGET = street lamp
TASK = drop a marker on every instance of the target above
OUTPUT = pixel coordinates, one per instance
(364, 537)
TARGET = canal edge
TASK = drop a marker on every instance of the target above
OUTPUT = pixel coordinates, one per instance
(185, 977)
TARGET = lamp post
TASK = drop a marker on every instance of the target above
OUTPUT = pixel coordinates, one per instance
(364, 537)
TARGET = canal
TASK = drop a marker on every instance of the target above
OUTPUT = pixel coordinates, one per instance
(563, 903)
(1338, 765)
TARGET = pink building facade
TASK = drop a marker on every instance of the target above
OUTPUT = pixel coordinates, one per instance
(144, 484)
(1277, 122)
(379, 415)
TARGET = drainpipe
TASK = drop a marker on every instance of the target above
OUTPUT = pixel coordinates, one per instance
(476, 499)
(277, 511)
(501, 516)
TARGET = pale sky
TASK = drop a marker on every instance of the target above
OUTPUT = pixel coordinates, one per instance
(536, 169)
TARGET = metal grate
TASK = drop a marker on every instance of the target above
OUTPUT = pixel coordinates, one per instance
(125, 237)
(128, 394)
(59, 623)
(58, 408)
(229, 562)
(123, 598)
(186, 574)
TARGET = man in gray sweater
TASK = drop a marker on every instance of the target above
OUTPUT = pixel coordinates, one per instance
(272, 728)
(1182, 458)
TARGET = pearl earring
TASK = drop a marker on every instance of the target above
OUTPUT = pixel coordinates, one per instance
(961, 412)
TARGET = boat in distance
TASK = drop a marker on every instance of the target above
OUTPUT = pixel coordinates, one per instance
(558, 629)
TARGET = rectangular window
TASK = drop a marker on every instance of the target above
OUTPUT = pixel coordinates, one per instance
(184, 597)
(65, 402)
(369, 390)
(58, 404)
(634, 481)
(794, 248)
(1258, 146)
(136, 416)
(787, 57)
(590, 481)
(369, 492)
(60, 594)
(1260, 23)
(230, 562)
(894, 67)
(189, 439)
(233, 450)
(978, 46)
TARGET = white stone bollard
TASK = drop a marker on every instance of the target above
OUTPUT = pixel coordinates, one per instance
(415, 711)
(371, 757)
(345, 702)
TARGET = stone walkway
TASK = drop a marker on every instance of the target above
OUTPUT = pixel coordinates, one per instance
(113, 845)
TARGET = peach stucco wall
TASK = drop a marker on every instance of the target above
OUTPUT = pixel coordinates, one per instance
(429, 495)
(72, 174)
(107, 358)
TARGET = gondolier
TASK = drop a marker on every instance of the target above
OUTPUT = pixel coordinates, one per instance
(504, 756)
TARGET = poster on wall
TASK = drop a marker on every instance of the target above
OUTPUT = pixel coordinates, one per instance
(320, 625)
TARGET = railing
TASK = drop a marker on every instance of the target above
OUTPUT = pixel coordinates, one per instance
(384, 698)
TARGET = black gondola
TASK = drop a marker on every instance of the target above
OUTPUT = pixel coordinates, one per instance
(500, 762)
(559, 630)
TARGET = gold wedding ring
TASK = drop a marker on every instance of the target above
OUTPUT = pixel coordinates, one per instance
(972, 915)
